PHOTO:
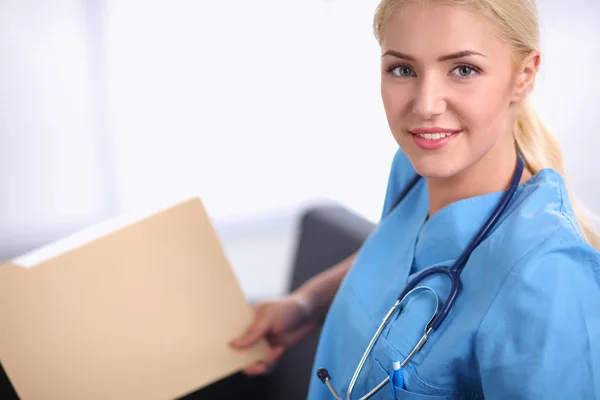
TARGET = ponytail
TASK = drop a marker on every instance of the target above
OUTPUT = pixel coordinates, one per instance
(541, 150)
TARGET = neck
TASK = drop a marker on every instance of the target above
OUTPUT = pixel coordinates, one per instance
(492, 173)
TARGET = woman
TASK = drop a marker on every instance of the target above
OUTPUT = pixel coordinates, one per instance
(456, 75)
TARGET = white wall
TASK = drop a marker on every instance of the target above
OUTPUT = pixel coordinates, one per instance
(567, 94)
(254, 105)
(55, 166)
(250, 105)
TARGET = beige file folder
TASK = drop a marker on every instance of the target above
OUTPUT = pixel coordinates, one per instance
(144, 312)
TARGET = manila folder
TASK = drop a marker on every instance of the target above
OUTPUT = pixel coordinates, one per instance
(144, 312)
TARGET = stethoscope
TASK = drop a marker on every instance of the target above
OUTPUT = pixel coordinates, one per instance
(452, 272)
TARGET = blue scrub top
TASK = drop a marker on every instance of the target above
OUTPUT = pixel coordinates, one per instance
(526, 324)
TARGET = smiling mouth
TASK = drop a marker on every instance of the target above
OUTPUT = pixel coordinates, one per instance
(435, 136)
(434, 140)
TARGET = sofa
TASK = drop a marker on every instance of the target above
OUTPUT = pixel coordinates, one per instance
(328, 234)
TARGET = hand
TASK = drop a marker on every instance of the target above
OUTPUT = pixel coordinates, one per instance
(283, 323)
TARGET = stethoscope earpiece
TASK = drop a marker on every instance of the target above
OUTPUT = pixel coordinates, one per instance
(323, 375)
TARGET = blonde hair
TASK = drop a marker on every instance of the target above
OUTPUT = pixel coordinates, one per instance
(516, 21)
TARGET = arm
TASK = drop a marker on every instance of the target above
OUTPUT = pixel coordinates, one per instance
(317, 293)
(541, 337)
(284, 322)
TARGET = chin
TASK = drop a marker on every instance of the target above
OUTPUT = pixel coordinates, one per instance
(436, 173)
(434, 166)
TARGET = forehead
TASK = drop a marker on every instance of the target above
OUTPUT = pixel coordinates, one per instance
(428, 30)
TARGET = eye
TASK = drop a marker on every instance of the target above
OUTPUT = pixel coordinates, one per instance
(400, 70)
(466, 71)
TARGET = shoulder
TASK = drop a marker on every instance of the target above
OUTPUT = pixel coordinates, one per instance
(561, 257)
(542, 330)
(545, 260)
(539, 223)
(540, 334)
(547, 265)
(401, 172)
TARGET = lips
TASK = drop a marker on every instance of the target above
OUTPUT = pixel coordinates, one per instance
(434, 138)
(435, 129)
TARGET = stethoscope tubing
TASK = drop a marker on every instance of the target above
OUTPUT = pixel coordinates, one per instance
(453, 273)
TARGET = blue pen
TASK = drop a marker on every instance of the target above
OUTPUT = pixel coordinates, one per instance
(396, 377)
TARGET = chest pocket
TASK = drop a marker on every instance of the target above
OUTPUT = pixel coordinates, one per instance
(401, 335)
(403, 394)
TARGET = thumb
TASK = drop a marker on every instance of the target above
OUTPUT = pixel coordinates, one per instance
(256, 331)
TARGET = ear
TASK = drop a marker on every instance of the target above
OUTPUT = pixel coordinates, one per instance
(525, 75)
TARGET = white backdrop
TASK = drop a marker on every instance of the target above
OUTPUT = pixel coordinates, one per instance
(56, 168)
(255, 105)
(251, 105)
(567, 94)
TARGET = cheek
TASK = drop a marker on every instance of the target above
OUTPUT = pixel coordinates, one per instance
(394, 101)
(484, 111)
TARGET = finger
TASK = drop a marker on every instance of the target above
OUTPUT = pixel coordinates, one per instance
(255, 331)
(266, 365)
(274, 355)
(291, 338)
(259, 368)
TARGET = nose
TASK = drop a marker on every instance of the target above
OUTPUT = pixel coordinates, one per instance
(429, 101)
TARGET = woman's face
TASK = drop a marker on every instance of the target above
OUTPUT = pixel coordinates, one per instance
(447, 86)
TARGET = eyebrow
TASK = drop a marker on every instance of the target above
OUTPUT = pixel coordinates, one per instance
(453, 56)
